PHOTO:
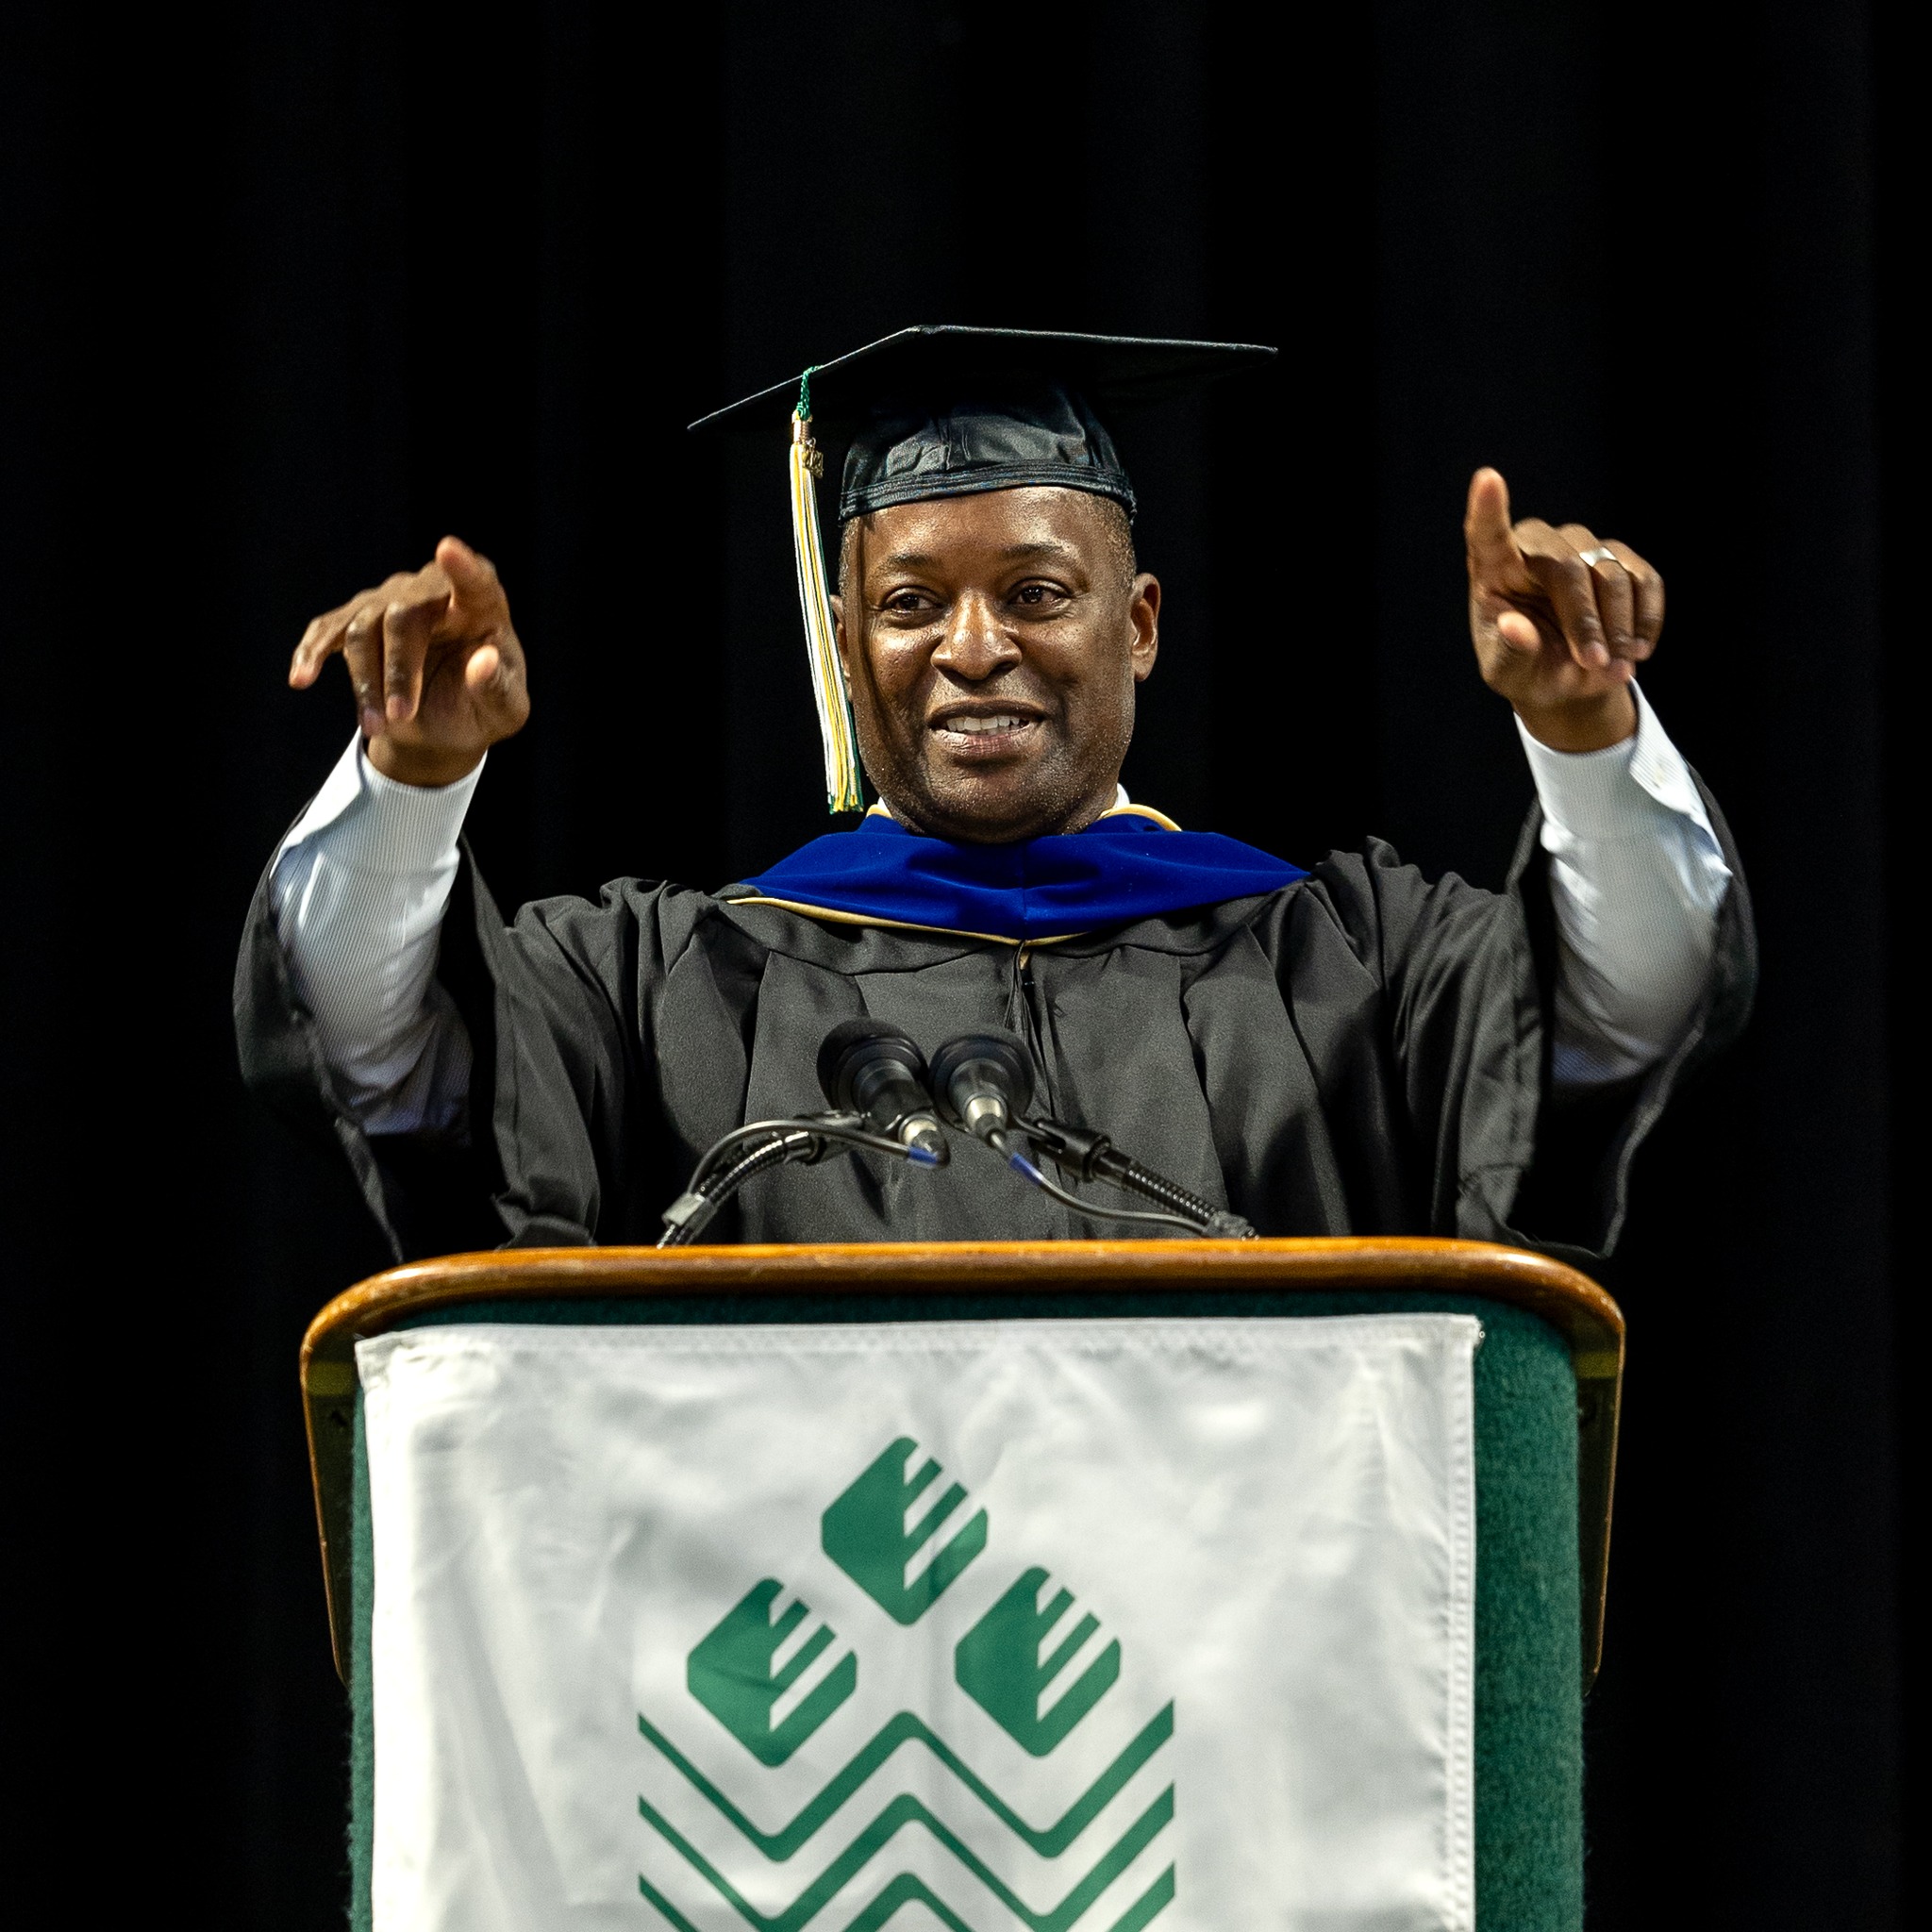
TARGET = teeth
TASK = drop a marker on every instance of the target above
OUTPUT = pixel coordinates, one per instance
(1000, 721)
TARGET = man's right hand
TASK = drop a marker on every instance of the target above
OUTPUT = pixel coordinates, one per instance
(438, 673)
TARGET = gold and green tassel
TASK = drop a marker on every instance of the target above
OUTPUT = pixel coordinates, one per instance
(842, 792)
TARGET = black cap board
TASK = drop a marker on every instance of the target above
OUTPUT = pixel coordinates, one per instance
(945, 411)
(942, 410)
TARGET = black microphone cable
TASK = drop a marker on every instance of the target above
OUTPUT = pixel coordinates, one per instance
(1001, 1140)
(983, 1081)
(1090, 1157)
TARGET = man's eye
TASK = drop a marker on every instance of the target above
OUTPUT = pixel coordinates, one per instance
(906, 602)
(1037, 594)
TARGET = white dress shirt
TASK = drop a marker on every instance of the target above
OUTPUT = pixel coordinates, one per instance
(359, 889)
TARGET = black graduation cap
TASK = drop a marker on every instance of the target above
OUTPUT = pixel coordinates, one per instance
(942, 410)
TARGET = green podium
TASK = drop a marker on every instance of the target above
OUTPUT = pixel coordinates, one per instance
(1546, 1374)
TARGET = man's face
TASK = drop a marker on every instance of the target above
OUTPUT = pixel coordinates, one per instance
(993, 644)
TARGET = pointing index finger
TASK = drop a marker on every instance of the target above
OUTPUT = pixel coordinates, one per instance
(1493, 556)
(477, 599)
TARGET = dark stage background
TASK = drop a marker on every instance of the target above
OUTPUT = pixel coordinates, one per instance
(290, 291)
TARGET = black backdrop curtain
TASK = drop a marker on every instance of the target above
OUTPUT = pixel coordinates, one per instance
(290, 291)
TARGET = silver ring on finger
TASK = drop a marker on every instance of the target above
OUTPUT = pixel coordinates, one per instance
(1598, 554)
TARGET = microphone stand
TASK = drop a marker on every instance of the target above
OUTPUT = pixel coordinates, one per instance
(1087, 1155)
(769, 1143)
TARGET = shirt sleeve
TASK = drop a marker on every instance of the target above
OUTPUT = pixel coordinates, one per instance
(358, 890)
(1636, 876)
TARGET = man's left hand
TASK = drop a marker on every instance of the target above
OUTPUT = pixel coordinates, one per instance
(1561, 618)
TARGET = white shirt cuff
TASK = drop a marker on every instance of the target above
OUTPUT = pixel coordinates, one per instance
(387, 826)
(1613, 794)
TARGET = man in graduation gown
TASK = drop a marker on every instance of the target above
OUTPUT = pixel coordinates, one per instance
(1351, 1049)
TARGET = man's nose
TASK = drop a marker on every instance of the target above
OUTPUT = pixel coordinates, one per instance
(975, 645)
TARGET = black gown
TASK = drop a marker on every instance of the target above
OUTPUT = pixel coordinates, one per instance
(1362, 1052)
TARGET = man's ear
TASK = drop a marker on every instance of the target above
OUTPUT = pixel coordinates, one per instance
(851, 563)
(851, 655)
(1143, 616)
(848, 638)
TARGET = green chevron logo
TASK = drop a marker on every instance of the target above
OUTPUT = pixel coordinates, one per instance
(999, 1666)
(864, 1533)
(774, 1679)
(731, 1675)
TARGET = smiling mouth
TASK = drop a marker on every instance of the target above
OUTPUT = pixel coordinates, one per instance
(982, 734)
(975, 726)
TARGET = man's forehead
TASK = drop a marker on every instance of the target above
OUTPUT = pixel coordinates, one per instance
(1033, 514)
(995, 527)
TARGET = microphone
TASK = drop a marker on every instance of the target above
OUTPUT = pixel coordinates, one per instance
(876, 1071)
(983, 1082)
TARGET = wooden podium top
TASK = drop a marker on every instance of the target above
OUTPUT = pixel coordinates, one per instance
(1572, 1304)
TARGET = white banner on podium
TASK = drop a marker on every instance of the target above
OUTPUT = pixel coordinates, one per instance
(1015, 1626)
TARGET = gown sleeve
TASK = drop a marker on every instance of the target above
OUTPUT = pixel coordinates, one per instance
(1493, 1148)
(358, 890)
(565, 1142)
